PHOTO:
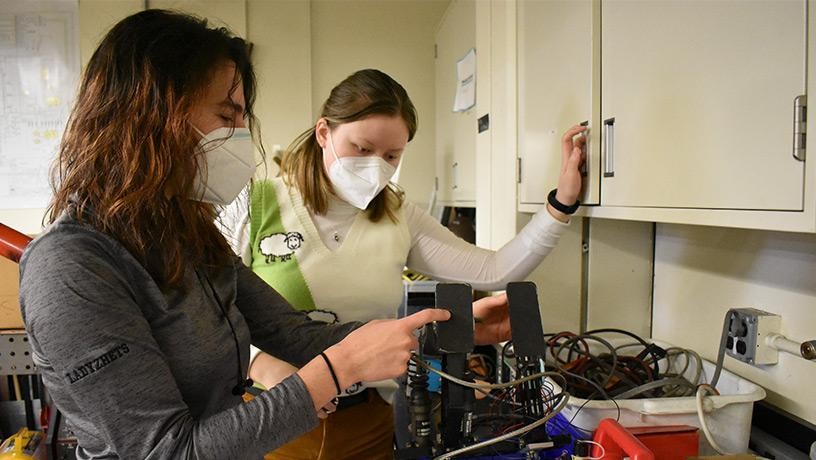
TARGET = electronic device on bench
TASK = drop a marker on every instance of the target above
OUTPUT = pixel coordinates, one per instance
(463, 421)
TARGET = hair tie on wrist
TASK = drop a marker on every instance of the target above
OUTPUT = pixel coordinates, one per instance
(331, 370)
(566, 209)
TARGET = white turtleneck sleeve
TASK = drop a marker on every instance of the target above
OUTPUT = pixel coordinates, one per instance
(440, 254)
(233, 221)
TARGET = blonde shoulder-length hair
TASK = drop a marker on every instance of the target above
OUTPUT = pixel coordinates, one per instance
(363, 94)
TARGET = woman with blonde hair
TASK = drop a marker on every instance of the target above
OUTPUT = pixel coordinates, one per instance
(352, 232)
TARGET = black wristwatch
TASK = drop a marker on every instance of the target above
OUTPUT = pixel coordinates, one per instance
(561, 206)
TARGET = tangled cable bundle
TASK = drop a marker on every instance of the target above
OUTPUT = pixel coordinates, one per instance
(586, 366)
(504, 420)
(637, 369)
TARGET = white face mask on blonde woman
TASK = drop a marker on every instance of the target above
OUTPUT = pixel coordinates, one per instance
(357, 180)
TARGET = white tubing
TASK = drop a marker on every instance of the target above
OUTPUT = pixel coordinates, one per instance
(701, 415)
(782, 343)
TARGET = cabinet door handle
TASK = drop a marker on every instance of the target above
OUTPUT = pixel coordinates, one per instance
(609, 147)
(455, 169)
(518, 170)
(585, 165)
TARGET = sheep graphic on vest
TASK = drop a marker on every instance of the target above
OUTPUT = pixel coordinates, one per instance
(280, 246)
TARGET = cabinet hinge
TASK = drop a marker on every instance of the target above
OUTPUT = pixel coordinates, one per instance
(800, 127)
(436, 51)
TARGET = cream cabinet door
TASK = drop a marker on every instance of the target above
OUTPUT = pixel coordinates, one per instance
(557, 87)
(697, 102)
(455, 131)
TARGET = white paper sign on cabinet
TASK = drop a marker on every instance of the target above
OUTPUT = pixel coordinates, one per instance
(466, 82)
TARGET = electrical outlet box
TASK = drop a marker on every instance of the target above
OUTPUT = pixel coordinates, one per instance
(747, 330)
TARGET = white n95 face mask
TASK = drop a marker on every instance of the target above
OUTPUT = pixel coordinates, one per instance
(230, 163)
(357, 180)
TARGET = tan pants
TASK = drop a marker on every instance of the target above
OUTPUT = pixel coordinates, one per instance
(364, 431)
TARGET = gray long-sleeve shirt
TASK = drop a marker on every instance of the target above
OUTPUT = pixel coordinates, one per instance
(139, 373)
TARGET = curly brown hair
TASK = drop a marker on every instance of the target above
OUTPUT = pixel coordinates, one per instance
(129, 155)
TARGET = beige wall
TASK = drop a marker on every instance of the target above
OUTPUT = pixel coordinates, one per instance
(220, 13)
(619, 275)
(701, 272)
(558, 280)
(280, 32)
(616, 257)
(96, 17)
(397, 37)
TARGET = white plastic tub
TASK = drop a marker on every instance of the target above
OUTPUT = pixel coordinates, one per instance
(728, 415)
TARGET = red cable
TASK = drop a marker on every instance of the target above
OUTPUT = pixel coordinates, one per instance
(12, 243)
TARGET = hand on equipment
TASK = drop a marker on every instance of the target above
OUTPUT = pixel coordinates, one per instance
(380, 349)
(492, 317)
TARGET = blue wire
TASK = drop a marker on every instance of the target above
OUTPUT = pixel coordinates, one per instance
(560, 422)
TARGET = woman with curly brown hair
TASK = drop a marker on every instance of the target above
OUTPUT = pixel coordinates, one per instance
(139, 316)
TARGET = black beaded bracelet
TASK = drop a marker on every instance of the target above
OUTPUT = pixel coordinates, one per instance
(566, 209)
(331, 370)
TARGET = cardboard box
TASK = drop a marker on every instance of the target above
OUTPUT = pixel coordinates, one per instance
(10, 317)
